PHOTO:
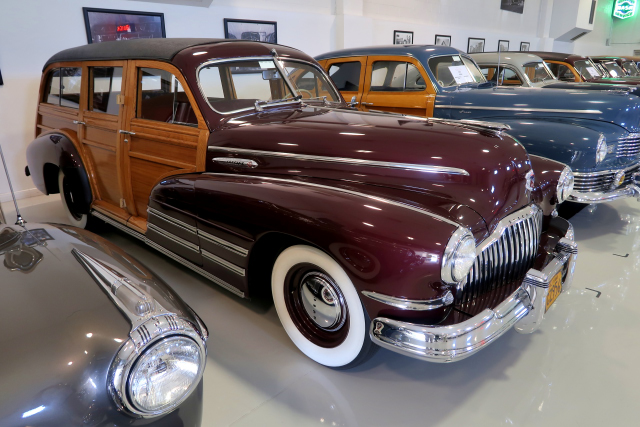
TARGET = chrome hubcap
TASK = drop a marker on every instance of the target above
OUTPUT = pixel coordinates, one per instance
(322, 301)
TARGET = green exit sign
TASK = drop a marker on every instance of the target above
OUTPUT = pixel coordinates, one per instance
(624, 9)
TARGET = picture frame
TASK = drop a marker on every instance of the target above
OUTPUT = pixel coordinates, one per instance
(503, 45)
(402, 37)
(1, 82)
(475, 45)
(246, 29)
(516, 6)
(112, 24)
(524, 46)
(442, 40)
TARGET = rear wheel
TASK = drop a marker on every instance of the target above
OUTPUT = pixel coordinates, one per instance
(319, 307)
(71, 203)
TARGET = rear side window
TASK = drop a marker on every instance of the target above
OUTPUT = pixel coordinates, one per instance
(396, 76)
(162, 98)
(105, 86)
(346, 75)
(63, 87)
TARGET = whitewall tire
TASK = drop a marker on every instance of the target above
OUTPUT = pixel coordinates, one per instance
(319, 307)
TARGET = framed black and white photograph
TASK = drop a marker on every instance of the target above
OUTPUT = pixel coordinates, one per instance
(503, 46)
(516, 6)
(443, 40)
(259, 31)
(524, 46)
(402, 37)
(104, 25)
(475, 45)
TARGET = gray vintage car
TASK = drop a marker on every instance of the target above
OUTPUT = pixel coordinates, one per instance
(91, 337)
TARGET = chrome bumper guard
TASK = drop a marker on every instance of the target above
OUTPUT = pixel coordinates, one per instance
(524, 310)
(630, 190)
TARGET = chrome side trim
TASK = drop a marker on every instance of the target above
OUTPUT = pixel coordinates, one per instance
(191, 246)
(356, 162)
(238, 250)
(118, 225)
(234, 161)
(195, 268)
(524, 110)
(409, 304)
(226, 264)
(341, 190)
(172, 220)
(631, 190)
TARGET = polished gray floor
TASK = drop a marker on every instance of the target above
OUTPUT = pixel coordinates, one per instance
(580, 369)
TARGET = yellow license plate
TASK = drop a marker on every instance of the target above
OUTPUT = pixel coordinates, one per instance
(555, 289)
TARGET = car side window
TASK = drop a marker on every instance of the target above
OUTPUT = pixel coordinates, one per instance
(563, 72)
(161, 98)
(346, 75)
(105, 86)
(63, 87)
(396, 76)
(508, 77)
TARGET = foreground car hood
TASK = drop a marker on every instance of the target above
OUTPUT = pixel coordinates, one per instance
(495, 163)
(485, 103)
(61, 331)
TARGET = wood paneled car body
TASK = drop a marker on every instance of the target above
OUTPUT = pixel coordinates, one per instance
(242, 161)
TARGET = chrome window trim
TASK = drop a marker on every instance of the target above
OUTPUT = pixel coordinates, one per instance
(182, 242)
(258, 58)
(356, 162)
(238, 250)
(172, 220)
(224, 263)
(524, 110)
(411, 304)
(341, 190)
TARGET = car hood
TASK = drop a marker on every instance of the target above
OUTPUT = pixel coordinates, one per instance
(484, 103)
(593, 86)
(632, 81)
(332, 144)
(61, 330)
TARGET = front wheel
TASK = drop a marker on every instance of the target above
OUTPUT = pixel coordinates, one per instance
(70, 203)
(319, 307)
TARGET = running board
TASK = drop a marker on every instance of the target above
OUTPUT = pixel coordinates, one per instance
(168, 253)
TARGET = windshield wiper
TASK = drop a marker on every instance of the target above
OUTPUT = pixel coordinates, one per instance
(259, 103)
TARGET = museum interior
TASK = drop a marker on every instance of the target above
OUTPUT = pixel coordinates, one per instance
(319, 212)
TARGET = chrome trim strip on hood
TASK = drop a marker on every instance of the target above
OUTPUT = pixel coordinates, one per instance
(356, 162)
(524, 110)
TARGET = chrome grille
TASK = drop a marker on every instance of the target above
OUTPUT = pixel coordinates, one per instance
(629, 146)
(600, 181)
(504, 257)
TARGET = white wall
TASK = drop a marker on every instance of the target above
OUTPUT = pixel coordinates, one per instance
(33, 30)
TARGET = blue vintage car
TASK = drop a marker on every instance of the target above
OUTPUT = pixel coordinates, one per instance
(597, 133)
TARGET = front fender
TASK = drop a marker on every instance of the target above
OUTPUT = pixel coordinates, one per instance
(54, 151)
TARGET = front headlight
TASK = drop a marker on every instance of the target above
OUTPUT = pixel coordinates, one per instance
(565, 185)
(459, 256)
(165, 374)
(601, 150)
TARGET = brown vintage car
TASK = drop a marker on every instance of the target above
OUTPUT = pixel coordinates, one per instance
(242, 161)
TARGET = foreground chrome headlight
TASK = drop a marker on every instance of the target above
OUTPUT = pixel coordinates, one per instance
(601, 150)
(565, 185)
(459, 256)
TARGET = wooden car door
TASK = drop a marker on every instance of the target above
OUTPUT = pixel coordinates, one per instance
(397, 84)
(564, 71)
(164, 133)
(348, 76)
(101, 118)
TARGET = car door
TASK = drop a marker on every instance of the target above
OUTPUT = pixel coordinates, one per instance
(98, 131)
(164, 133)
(348, 76)
(397, 84)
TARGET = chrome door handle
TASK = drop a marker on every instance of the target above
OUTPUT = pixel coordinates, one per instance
(77, 122)
(126, 132)
(367, 103)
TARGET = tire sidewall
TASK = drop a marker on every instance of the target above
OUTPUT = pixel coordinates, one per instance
(80, 223)
(347, 351)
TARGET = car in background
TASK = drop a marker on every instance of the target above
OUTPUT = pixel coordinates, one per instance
(617, 66)
(241, 161)
(596, 133)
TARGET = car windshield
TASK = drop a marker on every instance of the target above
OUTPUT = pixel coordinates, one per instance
(237, 85)
(632, 68)
(455, 70)
(614, 69)
(538, 72)
(587, 69)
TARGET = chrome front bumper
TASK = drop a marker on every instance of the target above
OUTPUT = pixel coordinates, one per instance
(631, 190)
(524, 310)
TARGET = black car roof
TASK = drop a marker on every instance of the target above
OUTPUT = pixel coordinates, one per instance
(421, 52)
(160, 49)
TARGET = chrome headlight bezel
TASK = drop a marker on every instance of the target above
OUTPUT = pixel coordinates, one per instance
(565, 185)
(144, 338)
(460, 241)
(601, 149)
